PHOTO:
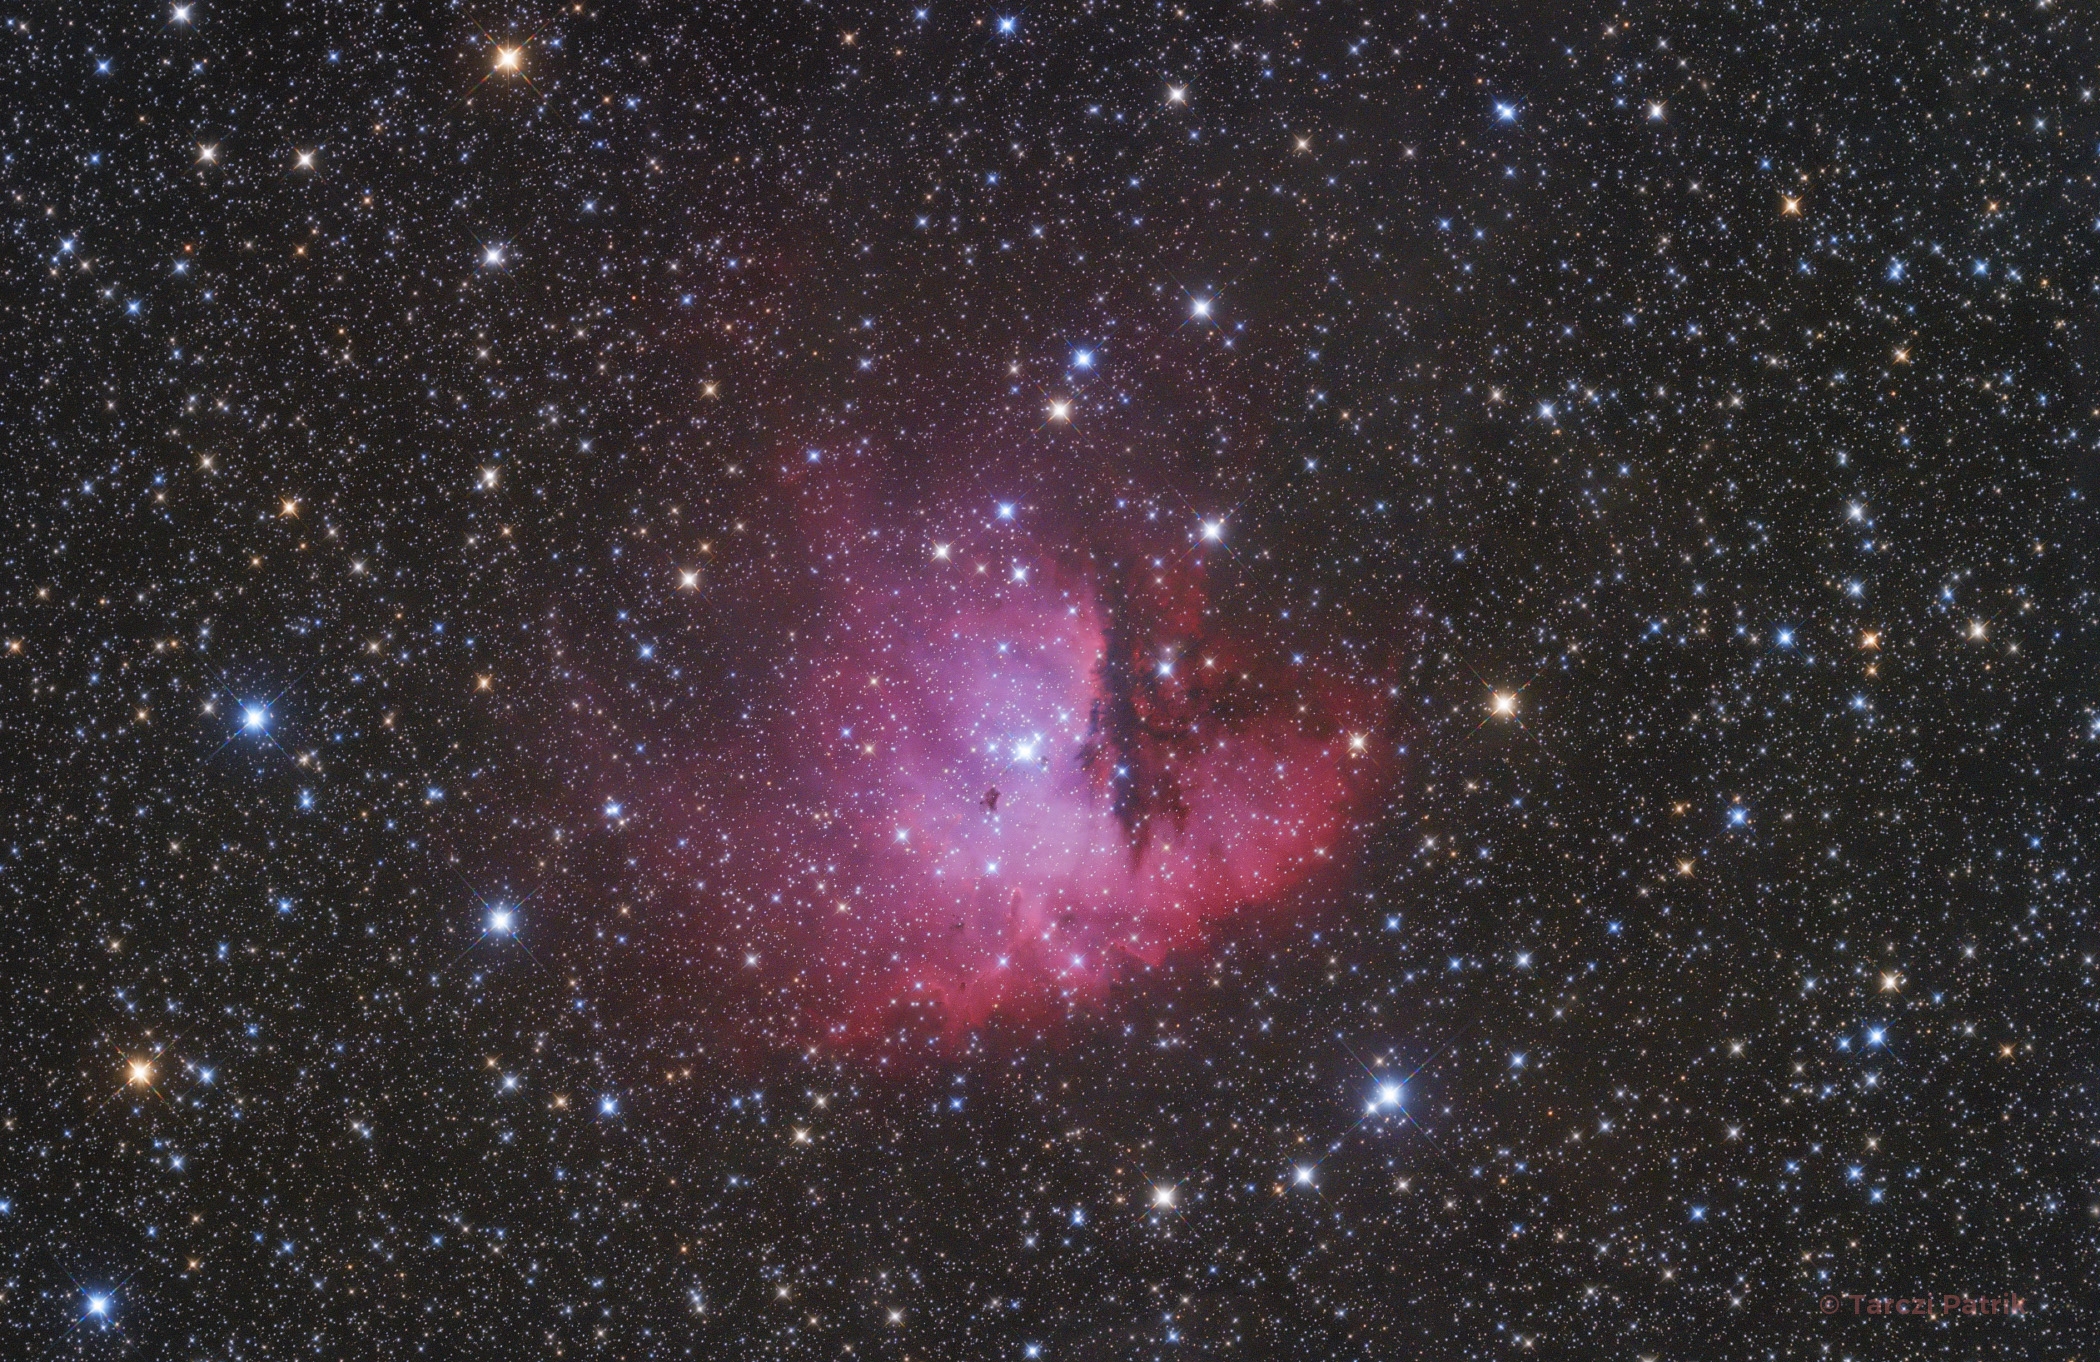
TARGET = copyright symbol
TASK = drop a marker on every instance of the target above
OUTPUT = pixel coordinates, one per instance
(1830, 1305)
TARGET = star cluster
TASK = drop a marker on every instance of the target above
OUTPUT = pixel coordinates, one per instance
(1092, 681)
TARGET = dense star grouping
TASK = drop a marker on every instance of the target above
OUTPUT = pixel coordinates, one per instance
(1277, 679)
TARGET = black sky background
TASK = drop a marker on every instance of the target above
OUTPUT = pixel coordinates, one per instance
(1571, 400)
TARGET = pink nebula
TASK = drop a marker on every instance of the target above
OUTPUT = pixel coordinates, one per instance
(998, 782)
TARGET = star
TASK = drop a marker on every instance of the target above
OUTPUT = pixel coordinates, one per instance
(509, 58)
(1504, 704)
(303, 160)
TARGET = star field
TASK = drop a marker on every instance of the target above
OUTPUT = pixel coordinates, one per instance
(1105, 681)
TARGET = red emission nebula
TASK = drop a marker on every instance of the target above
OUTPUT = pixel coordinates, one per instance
(1003, 770)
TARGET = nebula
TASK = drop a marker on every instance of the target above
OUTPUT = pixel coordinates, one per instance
(1003, 772)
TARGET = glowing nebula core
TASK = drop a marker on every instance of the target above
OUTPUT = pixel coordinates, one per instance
(1000, 777)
